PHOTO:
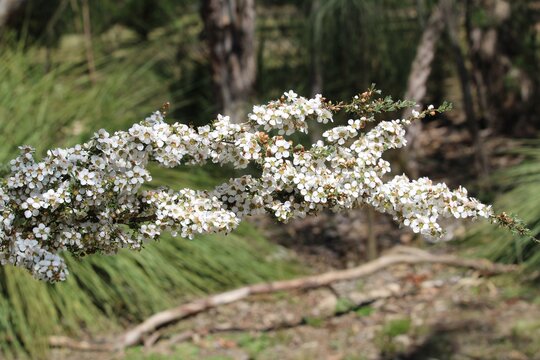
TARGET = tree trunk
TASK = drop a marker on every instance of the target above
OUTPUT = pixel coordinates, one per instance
(505, 68)
(451, 19)
(480, 85)
(88, 41)
(7, 9)
(417, 85)
(229, 28)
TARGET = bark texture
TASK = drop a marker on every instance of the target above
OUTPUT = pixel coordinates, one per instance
(506, 71)
(452, 24)
(7, 9)
(417, 84)
(229, 29)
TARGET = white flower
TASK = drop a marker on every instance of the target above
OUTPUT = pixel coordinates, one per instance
(86, 177)
(280, 149)
(87, 198)
(41, 231)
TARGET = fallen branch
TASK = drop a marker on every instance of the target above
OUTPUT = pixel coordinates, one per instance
(357, 300)
(401, 255)
(82, 345)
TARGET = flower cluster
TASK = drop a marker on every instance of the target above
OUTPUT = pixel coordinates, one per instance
(290, 113)
(88, 198)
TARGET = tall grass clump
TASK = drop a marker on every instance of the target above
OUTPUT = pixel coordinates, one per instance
(57, 105)
(54, 104)
(521, 196)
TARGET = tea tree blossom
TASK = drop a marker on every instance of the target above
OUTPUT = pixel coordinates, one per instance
(89, 198)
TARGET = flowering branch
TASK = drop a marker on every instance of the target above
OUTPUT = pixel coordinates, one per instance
(88, 198)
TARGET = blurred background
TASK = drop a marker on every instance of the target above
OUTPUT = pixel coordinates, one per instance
(71, 67)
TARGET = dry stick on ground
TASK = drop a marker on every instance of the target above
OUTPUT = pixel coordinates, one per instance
(82, 345)
(402, 255)
(356, 301)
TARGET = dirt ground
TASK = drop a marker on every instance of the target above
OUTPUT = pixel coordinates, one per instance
(433, 312)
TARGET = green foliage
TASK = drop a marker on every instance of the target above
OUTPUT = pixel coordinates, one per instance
(524, 335)
(184, 351)
(103, 292)
(513, 287)
(371, 40)
(46, 21)
(314, 321)
(56, 105)
(47, 100)
(365, 311)
(396, 327)
(343, 305)
(49, 105)
(522, 186)
(384, 338)
(254, 344)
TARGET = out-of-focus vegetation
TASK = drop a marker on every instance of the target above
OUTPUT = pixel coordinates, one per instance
(47, 99)
(58, 105)
(104, 292)
(62, 78)
(521, 185)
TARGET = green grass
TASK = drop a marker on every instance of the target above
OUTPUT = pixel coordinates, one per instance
(396, 327)
(184, 351)
(255, 344)
(103, 294)
(365, 311)
(521, 197)
(59, 106)
(343, 305)
(384, 338)
(315, 322)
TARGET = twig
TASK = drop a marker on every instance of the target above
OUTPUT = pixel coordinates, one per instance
(357, 301)
(67, 342)
(402, 255)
